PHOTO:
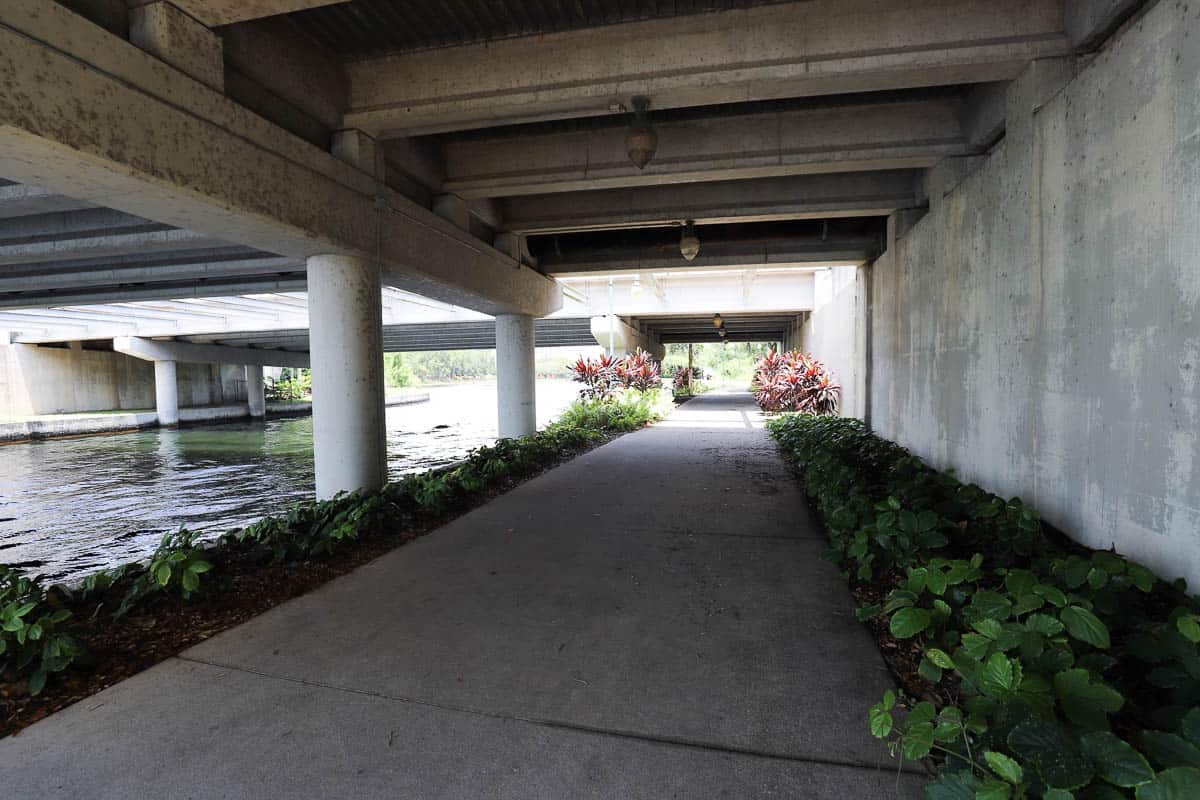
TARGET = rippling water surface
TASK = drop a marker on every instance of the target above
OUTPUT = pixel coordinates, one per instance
(71, 506)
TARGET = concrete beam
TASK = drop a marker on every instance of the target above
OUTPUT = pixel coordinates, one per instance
(188, 353)
(37, 278)
(226, 12)
(853, 194)
(1089, 22)
(794, 49)
(716, 255)
(19, 200)
(820, 138)
(164, 290)
(172, 240)
(983, 114)
(75, 117)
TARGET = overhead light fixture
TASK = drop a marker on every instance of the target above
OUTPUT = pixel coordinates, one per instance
(641, 141)
(718, 323)
(636, 289)
(689, 242)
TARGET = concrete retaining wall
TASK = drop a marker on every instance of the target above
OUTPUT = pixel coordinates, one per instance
(51, 380)
(1038, 330)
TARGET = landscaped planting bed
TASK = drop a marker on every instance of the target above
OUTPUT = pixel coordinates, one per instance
(60, 645)
(1029, 666)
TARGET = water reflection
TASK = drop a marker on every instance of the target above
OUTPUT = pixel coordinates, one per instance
(70, 506)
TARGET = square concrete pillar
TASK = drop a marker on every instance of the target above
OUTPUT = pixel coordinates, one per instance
(357, 148)
(172, 36)
(256, 392)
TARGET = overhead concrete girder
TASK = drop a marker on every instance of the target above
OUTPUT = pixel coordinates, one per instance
(852, 194)
(815, 138)
(714, 255)
(87, 114)
(225, 12)
(481, 335)
(106, 273)
(189, 353)
(781, 50)
(19, 200)
(163, 290)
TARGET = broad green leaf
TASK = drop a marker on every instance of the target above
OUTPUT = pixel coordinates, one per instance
(1168, 749)
(1027, 603)
(940, 658)
(988, 627)
(864, 613)
(162, 574)
(993, 790)
(1189, 626)
(918, 741)
(1180, 783)
(990, 605)
(935, 581)
(881, 721)
(1191, 726)
(1044, 624)
(953, 786)
(189, 581)
(1096, 578)
(900, 598)
(1115, 759)
(889, 699)
(924, 711)
(998, 676)
(1004, 766)
(976, 645)
(1086, 703)
(37, 682)
(929, 671)
(199, 567)
(1052, 594)
(1084, 626)
(1142, 578)
(1058, 794)
(1056, 758)
(908, 622)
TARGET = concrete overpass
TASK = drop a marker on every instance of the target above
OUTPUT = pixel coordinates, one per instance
(1008, 212)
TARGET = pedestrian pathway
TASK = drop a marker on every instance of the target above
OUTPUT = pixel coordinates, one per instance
(650, 620)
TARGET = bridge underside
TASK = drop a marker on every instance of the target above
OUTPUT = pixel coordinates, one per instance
(955, 203)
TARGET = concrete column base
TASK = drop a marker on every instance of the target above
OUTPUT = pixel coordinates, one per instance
(515, 375)
(345, 312)
(256, 395)
(166, 393)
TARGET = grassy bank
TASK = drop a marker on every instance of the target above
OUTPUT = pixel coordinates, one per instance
(59, 645)
(1030, 665)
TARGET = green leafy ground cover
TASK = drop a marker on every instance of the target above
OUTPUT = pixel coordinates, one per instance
(1045, 669)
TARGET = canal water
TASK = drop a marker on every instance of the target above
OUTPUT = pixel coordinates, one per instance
(71, 506)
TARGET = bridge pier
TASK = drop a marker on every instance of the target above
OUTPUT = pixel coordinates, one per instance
(515, 375)
(256, 396)
(346, 351)
(166, 393)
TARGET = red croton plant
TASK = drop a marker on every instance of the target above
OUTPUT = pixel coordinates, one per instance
(795, 381)
(604, 375)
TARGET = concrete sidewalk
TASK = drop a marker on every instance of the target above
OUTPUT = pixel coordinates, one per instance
(650, 620)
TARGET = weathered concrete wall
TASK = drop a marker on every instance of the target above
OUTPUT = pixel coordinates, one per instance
(1038, 329)
(52, 380)
(832, 332)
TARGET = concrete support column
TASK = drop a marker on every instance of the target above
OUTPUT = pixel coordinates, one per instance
(256, 395)
(173, 36)
(346, 350)
(515, 375)
(166, 393)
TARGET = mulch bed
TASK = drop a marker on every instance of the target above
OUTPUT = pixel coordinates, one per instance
(241, 588)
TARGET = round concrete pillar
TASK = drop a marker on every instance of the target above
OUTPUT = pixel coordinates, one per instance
(345, 316)
(166, 393)
(256, 396)
(515, 376)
